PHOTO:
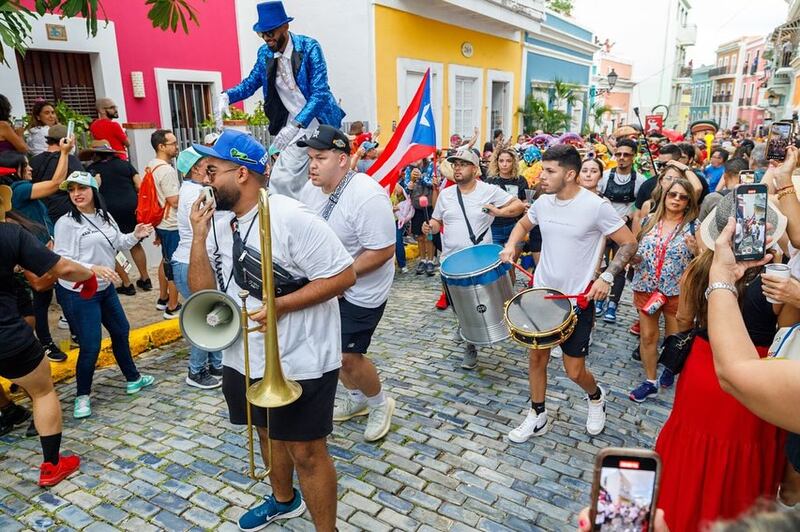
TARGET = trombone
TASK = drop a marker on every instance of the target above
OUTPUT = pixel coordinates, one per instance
(212, 320)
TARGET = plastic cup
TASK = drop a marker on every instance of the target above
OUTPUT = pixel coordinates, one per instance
(529, 195)
(779, 271)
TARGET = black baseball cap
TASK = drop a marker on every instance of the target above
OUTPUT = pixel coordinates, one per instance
(326, 138)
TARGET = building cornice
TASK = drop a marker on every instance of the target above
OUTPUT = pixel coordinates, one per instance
(557, 55)
(561, 38)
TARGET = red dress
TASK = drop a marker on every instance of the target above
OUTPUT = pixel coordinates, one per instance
(718, 458)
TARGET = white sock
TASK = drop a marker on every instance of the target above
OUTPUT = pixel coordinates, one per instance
(376, 400)
(357, 396)
(652, 381)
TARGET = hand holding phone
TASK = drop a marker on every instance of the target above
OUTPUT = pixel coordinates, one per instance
(70, 128)
(747, 177)
(781, 134)
(750, 237)
(208, 195)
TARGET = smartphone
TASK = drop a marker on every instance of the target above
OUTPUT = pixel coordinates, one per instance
(70, 128)
(750, 239)
(658, 166)
(747, 177)
(625, 489)
(208, 194)
(780, 135)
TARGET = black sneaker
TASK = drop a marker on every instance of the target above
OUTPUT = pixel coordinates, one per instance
(215, 372)
(635, 354)
(127, 290)
(172, 313)
(161, 304)
(430, 269)
(420, 267)
(73, 341)
(145, 285)
(31, 431)
(203, 380)
(13, 416)
(53, 353)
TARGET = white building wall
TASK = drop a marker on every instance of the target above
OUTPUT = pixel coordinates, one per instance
(346, 36)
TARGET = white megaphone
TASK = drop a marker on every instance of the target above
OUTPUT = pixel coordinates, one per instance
(211, 320)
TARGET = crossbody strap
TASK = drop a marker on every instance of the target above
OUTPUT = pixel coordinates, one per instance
(333, 199)
(113, 247)
(466, 220)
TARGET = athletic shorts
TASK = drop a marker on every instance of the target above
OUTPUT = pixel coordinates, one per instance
(358, 325)
(534, 240)
(307, 419)
(577, 345)
(23, 363)
(418, 219)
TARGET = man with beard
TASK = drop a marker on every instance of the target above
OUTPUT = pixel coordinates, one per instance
(293, 76)
(575, 224)
(105, 127)
(470, 224)
(315, 268)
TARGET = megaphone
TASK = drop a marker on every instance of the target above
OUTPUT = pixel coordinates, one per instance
(211, 320)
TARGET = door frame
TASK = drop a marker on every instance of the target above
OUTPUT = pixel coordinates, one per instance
(508, 113)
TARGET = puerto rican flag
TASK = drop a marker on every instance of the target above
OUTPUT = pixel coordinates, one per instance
(414, 139)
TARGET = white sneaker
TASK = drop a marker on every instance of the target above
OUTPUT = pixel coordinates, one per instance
(379, 421)
(533, 425)
(63, 323)
(347, 408)
(556, 352)
(596, 418)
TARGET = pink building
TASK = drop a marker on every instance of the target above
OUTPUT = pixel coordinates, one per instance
(619, 98)
(750, 115)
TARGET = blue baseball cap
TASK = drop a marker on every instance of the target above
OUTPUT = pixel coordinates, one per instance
(239, 148)
(187, 159)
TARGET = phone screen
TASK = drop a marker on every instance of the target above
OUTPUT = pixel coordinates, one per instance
(747, 177)
(751, 222)
(625, 500)
(780, 134)
(70, 128)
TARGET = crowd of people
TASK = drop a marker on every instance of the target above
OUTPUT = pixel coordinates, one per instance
(585, 215)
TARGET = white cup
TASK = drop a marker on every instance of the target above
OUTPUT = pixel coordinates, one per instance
(779, 271)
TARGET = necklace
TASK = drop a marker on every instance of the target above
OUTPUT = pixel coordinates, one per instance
(565, 203)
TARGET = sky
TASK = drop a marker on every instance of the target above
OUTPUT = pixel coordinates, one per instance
(718, 21)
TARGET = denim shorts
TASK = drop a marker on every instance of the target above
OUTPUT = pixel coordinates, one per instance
(169, 243)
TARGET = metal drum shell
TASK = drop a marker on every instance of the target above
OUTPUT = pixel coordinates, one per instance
(479, 305)
(539, 339)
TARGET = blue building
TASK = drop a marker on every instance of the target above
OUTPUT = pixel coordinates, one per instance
(561, 50)
(702, 88)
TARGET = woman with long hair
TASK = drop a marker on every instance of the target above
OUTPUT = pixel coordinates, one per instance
(10, 137)
(666, 247)
(43, 115)
(89, 235)
(718, 457)
(504, 173)
(591, 173)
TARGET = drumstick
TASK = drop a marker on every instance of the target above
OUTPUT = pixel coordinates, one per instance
(563, 296)
(423, 203)
(524, 271)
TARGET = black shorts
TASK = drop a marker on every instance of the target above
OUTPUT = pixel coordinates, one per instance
(22, 363)
(307, 419)
(358, 325)
(418, 219)
(577, 345)
(534, 244)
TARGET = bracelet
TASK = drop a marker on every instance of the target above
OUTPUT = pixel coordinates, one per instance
(786, 191)
(790, 185)
(721, 286)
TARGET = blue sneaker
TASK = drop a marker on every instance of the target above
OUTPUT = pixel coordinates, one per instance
(667, 379)
(643, 391)
(270, 510)
(611, 313)
(599, 307)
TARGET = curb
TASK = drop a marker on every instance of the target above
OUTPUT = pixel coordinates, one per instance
(141, 340)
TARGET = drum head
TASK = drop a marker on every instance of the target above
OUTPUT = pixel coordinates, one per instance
(530, 311)
(471, 260)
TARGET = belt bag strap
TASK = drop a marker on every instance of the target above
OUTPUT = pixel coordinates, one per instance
(466, 220)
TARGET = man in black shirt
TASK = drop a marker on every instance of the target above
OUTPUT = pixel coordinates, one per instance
(43, 166)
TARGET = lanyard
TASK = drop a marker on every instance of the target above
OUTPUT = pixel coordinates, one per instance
(102, 233)
(661, 247)
(333, 199)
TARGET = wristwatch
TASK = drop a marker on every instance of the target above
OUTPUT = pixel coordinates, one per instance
(608, 278)
(721, 286)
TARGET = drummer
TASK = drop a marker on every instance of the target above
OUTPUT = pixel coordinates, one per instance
(468, 210)
(574, 224)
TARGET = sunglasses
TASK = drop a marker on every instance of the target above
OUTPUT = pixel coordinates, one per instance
(623, 154)
(270, 33)
(678, 196)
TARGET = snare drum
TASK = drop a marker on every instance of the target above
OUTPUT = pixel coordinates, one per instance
(539, 323)
(478, 285)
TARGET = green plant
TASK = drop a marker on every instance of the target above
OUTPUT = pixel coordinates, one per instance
(536, 115)
(65, 113)
(258, 117)
(208, 123)
(561, 6)
(234, 113)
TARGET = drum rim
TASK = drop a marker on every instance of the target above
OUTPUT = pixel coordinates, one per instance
(570, 328)
(473, 273)
(513, 328)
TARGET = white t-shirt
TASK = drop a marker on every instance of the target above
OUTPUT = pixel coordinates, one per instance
(623, 209)
(363, 220)
(573, 236)
(168, 184)
(455, 235)
(309, 339)
(188, 195)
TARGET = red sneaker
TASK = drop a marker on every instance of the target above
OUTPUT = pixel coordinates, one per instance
(442, 303)
(634, 330)
(50, 475)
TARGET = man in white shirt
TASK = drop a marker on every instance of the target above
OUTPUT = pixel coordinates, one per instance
(360, 213)
(620, 186)
(168, 186)
(482, 203)
(305, 248)
(575, 224)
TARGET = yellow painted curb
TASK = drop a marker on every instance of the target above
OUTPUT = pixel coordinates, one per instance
(141, 340)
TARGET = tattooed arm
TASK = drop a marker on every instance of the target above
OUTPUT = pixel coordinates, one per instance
(627, 249)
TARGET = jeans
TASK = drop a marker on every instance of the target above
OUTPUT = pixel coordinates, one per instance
(197, 357)
(169, 243)
(500, 233)
(86, 316)
(400, 249)
(41, 308)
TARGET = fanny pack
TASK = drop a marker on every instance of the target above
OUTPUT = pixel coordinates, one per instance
(247, 273)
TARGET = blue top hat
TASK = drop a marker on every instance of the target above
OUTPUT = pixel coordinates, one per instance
(271, 15)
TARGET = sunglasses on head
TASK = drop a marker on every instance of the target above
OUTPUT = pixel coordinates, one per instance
(678, 196)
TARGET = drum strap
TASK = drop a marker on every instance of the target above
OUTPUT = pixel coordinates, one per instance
(474, 240)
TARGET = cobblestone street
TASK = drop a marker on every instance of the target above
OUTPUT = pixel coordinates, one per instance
(167, 458)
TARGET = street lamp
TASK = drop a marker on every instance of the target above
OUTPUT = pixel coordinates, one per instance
(612, 80)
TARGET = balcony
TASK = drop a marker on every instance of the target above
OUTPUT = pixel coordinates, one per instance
(754, 68)
(748, 102)
(722, 98)
(721, 71)
(685, 72)
(687, 35)
(741, 102)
